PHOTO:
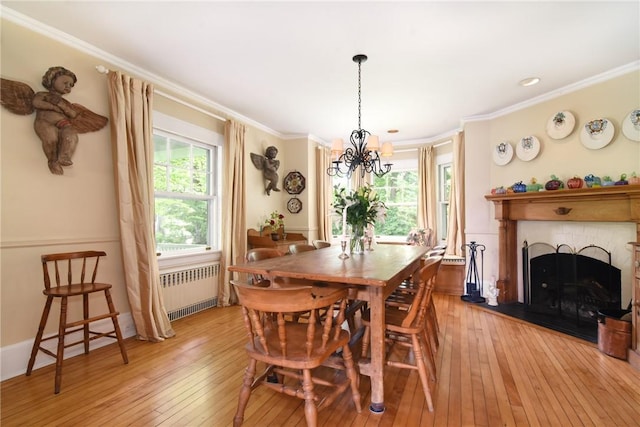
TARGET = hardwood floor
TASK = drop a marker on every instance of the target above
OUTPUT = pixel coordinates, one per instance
(492, 371)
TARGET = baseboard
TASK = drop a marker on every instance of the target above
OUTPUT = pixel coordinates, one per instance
(14, 358)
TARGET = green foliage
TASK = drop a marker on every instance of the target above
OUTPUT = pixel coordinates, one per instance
(363, 205)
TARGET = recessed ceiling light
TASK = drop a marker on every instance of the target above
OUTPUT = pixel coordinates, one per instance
(392, 131)
(530, 81)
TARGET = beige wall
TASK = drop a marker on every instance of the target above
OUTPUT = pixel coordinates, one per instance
(612, 99)
(44, 213)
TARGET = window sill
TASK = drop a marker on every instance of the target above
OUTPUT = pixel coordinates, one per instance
(178, 260)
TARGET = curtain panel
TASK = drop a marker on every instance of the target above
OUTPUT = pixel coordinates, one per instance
(131, 106)
(234, 227)
(455, 229)
(324, 192)
(427, 197)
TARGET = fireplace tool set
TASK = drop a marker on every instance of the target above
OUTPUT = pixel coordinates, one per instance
(474, 279)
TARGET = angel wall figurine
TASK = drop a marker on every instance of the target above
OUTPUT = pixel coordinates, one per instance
(269, 167)
(58, 122)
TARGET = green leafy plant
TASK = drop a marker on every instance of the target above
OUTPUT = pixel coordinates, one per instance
(363, 205)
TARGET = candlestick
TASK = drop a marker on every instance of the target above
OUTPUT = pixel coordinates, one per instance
(344, 221)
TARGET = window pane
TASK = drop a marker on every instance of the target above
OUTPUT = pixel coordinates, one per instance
(399, 191)
(182, 223)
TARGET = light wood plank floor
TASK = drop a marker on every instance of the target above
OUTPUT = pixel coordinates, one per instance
(493, 371)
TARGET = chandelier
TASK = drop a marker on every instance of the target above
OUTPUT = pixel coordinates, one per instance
(364, 152)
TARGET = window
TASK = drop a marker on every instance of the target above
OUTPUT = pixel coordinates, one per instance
(186, 169)
(399, 191)
(444, 190)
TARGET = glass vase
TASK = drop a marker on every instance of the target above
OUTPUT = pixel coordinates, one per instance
(356, 244)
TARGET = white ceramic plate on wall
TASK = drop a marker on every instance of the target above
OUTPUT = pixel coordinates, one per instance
(597, 133)
(502, 153)
(561, 124)
(528, 148)
(631, 125)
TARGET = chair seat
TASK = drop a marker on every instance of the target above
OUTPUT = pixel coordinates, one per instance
(296, 356)
(76, 289)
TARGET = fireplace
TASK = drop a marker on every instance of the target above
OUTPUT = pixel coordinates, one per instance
(569, 286)
(605, 204)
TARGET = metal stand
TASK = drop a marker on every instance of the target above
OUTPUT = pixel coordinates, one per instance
(474, 280)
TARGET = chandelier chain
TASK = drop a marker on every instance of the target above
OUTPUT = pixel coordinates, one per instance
(359, 96)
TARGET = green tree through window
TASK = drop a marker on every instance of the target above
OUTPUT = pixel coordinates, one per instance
(399, 191)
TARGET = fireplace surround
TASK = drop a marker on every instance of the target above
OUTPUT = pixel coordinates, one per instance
(605, 204)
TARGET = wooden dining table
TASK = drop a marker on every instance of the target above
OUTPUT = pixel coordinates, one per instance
(373, 275)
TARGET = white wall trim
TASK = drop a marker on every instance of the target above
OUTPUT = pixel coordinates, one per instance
(15, 357)
(62, 37)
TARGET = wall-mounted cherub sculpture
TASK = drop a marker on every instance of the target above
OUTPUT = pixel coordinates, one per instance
(58, 122)
(269, 167)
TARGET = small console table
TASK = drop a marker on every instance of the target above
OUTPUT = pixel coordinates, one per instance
(262, 239)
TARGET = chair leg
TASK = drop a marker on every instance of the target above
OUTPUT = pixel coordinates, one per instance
(353, 376)
(310, 409)
(62, 328)
(85, 327)
(366, 337)
(430, 357)
(422, 370)
(38, 340)
(116, 326)
(245, 392)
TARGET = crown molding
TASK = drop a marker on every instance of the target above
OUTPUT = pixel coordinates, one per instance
(82, 46)
(582, 84)
(64, 38)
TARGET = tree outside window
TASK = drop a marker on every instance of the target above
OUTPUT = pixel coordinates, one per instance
(184, 196)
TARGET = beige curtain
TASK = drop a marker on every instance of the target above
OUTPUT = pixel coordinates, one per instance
(234, 228)
(427, 197)
(131, 102)
(455, 229)
(324, 193)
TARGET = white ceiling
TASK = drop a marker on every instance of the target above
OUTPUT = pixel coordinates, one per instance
(287, 65)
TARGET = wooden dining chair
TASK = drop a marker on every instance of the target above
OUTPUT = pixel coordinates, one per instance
(298, 248)
(321, 244)
(258, 254)
(407, 327)
(74, 275)
(293, 350)
(403, 296)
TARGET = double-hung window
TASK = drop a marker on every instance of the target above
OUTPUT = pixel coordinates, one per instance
(186, 182)
(444, 191)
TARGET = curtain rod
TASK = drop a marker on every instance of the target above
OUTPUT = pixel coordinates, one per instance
(104, 70)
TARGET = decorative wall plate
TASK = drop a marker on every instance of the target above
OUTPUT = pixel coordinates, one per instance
(597, 133)
(528, 148)
(294, 205)
(631, 125)
(561, 124)
(294, 182)
(502, 153)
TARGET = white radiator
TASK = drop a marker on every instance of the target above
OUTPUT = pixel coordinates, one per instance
(191, 290)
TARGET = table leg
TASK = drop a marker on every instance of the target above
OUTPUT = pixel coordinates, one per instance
(376, 306)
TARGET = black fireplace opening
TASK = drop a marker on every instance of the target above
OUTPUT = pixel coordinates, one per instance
(565, 289)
